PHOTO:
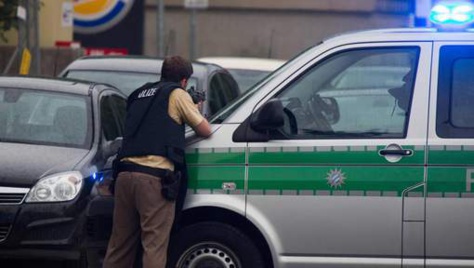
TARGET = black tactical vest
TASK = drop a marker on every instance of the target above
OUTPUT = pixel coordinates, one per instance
(149, 130)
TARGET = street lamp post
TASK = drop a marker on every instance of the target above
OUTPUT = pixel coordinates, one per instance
(160, 20)
(194, 5)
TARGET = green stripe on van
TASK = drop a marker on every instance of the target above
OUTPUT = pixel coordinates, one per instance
(446, 155)
(212, 177)
(216, 156)
(365, 179)
(304, 170)
(342, 155)
(447, 180)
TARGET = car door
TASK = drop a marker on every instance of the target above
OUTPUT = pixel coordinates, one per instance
(344, 176)
(450, 202)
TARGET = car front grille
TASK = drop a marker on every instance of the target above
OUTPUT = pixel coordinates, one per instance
(11, 198)
(4, 230)
(12, 195)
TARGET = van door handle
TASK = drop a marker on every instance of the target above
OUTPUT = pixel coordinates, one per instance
(402, 152)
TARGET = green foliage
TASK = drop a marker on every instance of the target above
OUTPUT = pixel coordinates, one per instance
(8, 18)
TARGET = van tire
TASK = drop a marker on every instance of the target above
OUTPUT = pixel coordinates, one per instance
(213, 244)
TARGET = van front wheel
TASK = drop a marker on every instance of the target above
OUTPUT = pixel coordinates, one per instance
(213, 245)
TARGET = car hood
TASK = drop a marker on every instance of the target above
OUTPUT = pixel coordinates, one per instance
(22, 165)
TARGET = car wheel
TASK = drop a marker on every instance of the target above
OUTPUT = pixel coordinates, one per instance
(213, 245)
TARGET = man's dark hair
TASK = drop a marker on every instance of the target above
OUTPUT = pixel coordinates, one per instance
(176, 68)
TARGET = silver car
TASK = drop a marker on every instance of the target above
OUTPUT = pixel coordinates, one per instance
(127, 73)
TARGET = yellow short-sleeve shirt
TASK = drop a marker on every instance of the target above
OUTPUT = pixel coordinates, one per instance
(182, 110)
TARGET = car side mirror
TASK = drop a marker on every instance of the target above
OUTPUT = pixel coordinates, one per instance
(257, 127)
(111, 148)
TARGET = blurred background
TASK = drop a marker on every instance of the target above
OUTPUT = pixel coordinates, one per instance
(41, 37)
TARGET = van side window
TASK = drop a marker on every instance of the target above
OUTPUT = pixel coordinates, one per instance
(363, 93)
(455, 113)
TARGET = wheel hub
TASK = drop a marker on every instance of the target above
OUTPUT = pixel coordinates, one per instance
(208, 255)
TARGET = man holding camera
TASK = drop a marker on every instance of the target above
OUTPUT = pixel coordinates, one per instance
(153, 148)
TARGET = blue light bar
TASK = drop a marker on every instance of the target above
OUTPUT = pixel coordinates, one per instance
(452, 14)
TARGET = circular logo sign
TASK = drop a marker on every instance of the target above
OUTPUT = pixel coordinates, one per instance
(95, 16)
(336, 178)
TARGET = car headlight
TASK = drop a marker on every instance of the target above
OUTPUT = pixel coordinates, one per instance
(56, 188)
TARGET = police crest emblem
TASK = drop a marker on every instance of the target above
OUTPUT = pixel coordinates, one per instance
(336, 178)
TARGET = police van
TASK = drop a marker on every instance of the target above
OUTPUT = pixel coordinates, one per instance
(359, 152)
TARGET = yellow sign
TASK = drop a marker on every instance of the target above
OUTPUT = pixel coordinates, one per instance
(25, 62)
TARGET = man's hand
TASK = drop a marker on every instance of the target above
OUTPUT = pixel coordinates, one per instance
(199, 106)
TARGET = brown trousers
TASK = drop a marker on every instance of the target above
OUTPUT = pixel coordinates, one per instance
(140, 209)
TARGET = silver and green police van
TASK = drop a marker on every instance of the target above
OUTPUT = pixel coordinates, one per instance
(359, 152)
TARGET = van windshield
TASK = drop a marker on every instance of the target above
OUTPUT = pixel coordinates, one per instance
(247, 78)
(235, 104)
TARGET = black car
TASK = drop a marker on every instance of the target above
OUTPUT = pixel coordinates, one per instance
(129, 72)
(57, 140)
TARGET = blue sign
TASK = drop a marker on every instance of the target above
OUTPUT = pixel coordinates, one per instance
(95, 16)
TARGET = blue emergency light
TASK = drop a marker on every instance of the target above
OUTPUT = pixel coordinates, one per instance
(98, 176)
(452, 14)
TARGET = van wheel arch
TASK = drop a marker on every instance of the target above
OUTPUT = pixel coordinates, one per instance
(213, 214)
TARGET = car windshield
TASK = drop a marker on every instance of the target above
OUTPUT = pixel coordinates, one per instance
(247, 78)
(127, 82)
(46, 118)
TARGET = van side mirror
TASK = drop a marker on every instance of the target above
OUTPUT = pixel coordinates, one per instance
(268, 117)
(257, 127)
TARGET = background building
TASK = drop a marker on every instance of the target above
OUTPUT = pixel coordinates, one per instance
(250, 28)
(268, 28)
(42, 24)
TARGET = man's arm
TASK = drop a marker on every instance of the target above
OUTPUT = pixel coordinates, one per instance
(203, 129)
(187, 111)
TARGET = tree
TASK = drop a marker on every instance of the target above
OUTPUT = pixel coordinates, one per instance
(8, 19)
